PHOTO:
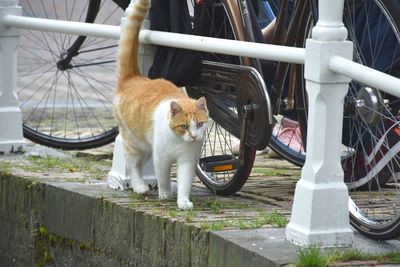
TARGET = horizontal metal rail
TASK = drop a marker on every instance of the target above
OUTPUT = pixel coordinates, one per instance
(192, 42)
(365, 75)
(337, 64)
(63, 26)
(223, 46)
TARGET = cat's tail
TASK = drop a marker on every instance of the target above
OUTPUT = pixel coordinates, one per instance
(129, 43)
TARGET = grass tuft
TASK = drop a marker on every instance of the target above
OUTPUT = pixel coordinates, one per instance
(311, 257)
(189, 215)
(314, 257)
(263, 218)
(173, 213)
(89, 171)
(5, 166)
(215, 205)
(274, 218)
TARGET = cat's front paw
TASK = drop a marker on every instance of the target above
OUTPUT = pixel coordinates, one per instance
(141, 188)
(185, 205)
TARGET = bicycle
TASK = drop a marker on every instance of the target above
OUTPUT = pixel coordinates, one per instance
(371, 119)
(66, 83)
(232, 106)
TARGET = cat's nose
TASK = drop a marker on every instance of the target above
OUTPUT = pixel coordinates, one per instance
(194, 136)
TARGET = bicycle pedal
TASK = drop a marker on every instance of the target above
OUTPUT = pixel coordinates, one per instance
(219, 163)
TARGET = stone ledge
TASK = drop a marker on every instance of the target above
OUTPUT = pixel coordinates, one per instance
(57, 224)
(61, 213)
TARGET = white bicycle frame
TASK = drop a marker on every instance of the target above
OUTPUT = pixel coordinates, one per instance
(320, 209)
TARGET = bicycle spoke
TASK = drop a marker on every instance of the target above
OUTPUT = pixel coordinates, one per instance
(45, 96)
(100, 96)
(82, 104)
(27, 99)
(53, 109)
(42, 73)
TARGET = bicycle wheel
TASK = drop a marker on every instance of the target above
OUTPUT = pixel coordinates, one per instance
(371, 122)
(215, 19)
(66, 82)
(286, 139)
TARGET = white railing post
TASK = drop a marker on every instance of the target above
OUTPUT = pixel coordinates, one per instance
(11, 137)
(320, 209)
(116, 177)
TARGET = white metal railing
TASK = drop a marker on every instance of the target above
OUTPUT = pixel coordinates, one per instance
(316, 219)
(349, 68)
(229, 47)
(365, 75)
(62, 26)
(200, 43)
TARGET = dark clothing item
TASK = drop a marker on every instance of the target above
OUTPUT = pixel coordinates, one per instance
(179, 66)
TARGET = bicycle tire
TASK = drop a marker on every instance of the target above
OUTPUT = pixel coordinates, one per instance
(65, 82)
(286, 139)
(369, 127)
(219, 141)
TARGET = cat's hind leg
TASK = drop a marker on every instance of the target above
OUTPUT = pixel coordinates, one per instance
(162, 167)
(134, 165)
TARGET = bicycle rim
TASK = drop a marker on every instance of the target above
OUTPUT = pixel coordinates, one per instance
(220, 142)
(66, 98)
(286, 139)
(212, 20)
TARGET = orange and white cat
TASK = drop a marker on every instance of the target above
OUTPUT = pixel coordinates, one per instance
(156, 118)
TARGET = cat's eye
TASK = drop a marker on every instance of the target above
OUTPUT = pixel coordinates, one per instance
(183, 126)
(199, 124)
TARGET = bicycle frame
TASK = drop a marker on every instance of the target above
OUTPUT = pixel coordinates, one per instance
(283, 35)
(64, 63)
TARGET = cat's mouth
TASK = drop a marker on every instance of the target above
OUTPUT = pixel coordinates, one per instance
(192, 139)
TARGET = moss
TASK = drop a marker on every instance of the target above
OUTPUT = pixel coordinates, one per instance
(33, 184)
(5, 175)
(189, 216)
(95, 157)
(136, 196)
(77, 180)
(44, 241)
(262, 219)
(215, 205)
(42, 253)
(88, 166)
(313, 256)
(5, 166)
(273, 218)
(173, 213)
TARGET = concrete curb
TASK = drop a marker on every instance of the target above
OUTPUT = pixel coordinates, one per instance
(75, 224)
(70, 225)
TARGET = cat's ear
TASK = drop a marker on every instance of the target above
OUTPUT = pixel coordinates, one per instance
(175, 108)
(201, 103)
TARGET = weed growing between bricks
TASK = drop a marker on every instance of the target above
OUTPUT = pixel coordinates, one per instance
(316, 257)
(211, 213)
